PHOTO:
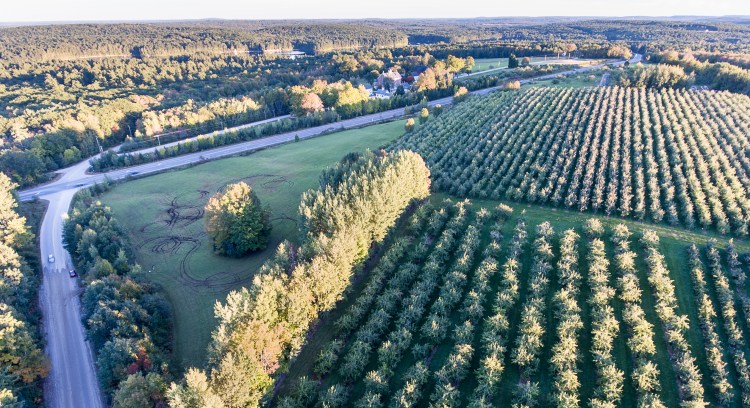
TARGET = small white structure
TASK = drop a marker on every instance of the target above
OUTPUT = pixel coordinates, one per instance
(380, 94)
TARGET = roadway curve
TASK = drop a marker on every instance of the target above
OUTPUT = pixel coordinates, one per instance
(72, 381)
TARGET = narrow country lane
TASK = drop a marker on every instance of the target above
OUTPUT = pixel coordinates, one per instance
(72, 381)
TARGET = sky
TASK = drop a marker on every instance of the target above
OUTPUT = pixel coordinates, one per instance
(119, 10)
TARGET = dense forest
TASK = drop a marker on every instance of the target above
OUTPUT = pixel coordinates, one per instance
(94, 41)
(24, 364)
(84, 41)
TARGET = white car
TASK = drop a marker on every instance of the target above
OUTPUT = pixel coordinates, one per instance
(51, 258)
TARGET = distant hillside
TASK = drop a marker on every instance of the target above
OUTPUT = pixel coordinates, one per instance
(26, 41)
(49, 42)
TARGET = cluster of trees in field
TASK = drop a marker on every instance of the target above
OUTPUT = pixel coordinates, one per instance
(236, 221)
(23, 364)
(424, 324)
(659, 76)
(127, 319)
(262, 327)
(321, 95)
(665, 156)
(723, 76)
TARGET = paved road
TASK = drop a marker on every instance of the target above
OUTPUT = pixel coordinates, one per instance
(72, 381)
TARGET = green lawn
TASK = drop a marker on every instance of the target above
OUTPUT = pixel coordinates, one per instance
(591, 78)
(483, 64)
(162, 215)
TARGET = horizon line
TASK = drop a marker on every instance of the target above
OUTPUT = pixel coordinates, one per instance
(161, 20)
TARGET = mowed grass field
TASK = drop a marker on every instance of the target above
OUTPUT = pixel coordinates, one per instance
(483, 64)
(163, 217)
(571, 81)
(673, 245)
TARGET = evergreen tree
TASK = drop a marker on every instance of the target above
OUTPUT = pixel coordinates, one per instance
(512, 61)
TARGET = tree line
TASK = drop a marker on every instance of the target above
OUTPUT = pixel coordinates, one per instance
(23, 364)
(723, 76)
(83, 41)
(127, 318)
(262, 327)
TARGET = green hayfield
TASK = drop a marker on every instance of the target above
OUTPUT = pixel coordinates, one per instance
(591, 78)
(162, 215)
(483, 64)
(674, 242)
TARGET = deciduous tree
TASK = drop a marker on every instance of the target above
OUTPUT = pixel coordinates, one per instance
(236, 222)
